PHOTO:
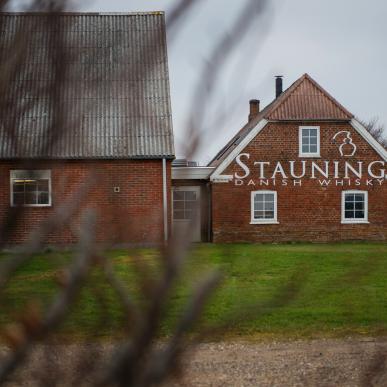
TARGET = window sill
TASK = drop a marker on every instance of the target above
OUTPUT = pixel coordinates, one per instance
(355, 222)
(264, 222)
(32, 206)
(310, 156)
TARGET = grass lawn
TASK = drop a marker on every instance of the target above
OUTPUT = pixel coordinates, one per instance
(341, 290)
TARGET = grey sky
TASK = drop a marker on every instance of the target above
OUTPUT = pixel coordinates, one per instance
(342, 44)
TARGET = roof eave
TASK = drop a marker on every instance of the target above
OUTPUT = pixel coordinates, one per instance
(69, 13)
(85, 158)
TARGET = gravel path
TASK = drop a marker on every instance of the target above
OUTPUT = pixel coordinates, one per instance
(306, 363)
(315, 363)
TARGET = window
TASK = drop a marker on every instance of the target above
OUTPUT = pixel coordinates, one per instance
(309, 141)
(31, 188)
(185, 204)
(354, 207)
(263, 207)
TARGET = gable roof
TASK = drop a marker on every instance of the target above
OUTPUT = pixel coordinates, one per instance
(304, 100)
(307, 100)
(116, 94)
(226, 156)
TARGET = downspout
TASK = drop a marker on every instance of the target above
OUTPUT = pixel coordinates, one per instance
(209, 225)
(165, 200)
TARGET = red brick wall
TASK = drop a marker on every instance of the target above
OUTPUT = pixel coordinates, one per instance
(132, 216)
(307, 213)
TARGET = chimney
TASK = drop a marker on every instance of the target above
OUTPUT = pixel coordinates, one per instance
(254, 109)
(278, 85)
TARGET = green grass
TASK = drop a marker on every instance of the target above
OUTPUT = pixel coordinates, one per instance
(268, 291)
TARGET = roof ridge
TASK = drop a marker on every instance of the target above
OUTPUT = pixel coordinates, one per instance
(328, 95)
(292, 89)
(285, 95)
(271, 109)
(110, 127)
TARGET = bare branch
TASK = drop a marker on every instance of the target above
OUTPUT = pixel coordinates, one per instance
(59, 308)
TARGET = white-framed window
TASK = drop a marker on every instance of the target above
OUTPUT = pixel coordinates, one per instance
(354, 206)
(30, 188)
(264, 207)
(185, 202)
(309, 141)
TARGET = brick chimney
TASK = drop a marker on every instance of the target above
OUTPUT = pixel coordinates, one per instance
(254, 109)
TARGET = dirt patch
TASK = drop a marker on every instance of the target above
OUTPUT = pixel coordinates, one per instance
(348, 362)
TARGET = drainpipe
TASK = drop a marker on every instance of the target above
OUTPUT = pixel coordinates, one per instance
(209, 224)
(165, 200)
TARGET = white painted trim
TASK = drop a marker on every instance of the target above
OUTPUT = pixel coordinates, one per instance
(359, 127)
(263, 221)
(191, 173)
(354, 221)
(300, 153)
(217, 176)
(30, 174)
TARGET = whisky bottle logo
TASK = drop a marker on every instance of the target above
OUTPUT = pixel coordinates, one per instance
(346, 147)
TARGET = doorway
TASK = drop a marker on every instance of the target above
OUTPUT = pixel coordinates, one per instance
(186, 212)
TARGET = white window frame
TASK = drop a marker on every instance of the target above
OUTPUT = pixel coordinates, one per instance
(30, 174)
(354, 220)
(185, 188)
(300, 152)
(264, 221)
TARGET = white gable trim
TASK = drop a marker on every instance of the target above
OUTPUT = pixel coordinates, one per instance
(359, 127)
(217, 176)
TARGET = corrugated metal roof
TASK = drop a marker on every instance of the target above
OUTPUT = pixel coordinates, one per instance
(304, 100)
(307, 100)
(115, 96)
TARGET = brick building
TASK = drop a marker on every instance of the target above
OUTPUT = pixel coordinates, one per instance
(114, 149)
(302, 169)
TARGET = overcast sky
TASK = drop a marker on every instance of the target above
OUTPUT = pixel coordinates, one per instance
(341, 44)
